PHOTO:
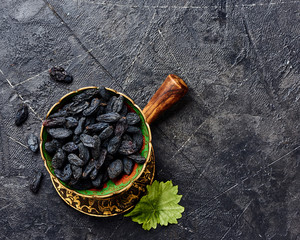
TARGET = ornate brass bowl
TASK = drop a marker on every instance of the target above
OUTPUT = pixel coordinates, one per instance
(117, 197)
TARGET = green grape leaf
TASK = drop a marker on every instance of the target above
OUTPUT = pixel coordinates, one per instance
(159, 206)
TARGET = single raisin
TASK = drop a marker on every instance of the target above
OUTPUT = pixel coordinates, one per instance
(22, 115)
(33, 142)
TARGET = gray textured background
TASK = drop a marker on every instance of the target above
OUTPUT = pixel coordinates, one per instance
(232, 144)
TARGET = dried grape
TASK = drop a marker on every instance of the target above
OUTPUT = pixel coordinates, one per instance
(101, 158)
(96, 150)
(118, 104)
(114, 144)
(77, 171)
(128, 165)
(59, 74)
(121, 127)
(89, 168)
(93, 108)
(59, 133)
(132, 129)
(106, 133)
(65, 174)
(97, 127)
(58, 159)
(70, 147)
(127, 148)
(109, 117)
(110, 104)
(71, 122)
(75, 160)
(84, 153)
(79, 129)
(93, 174)
(86, 95)
(132, 118)
(52, 146)
(33, 142)
(87, 140)
(97, 182)
(115, 169)
(54, 122)
(35, 184)
(104, 93)
(137, 158)
(22, 115)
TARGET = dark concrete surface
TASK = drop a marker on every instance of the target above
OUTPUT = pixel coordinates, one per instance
(232, 144)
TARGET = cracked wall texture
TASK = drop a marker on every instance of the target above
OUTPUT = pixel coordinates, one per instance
(232, 144)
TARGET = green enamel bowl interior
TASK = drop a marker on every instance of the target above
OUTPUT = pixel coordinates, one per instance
(111, 187)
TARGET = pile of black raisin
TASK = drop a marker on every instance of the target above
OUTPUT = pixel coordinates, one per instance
(93, 139)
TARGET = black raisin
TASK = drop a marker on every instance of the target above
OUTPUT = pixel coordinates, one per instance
(118, 104)
(101, 158)
(97, 182)
(70, 147)
(58, 159)
(77, 172)
(59, 133)
(76, 108)
(65, 174)
(115, 169)
(54, 122)
(79, 129)
(123, 111)
(132, 118)
(59, 74)
(97, 127)
(121, 127)
(75, 160)
(138, 139)
(137, 158)
(84, 153)
(60, 113)
(96, 150)
(86, 95)
(22, 115)
(76, 139)
(93, 108)
(132, 129)
(126, 137)
(81, 184)
(114, 144)
(89, 168)
(93, 174)
(127, 148)
(109, 117)
(106, 133)
(110, 104)
(128, 165)
(35, 184)
(68, 78)
(89, 121)
(87, 140)
(52, 146)
(33, 142)
(104, 93)
(71, 122)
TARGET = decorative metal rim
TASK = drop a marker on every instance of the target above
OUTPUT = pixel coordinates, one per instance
(149, 146)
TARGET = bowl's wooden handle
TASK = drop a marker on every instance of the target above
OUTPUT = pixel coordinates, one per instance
(172, 89)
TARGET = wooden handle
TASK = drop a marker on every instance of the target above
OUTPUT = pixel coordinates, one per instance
(172, 89)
